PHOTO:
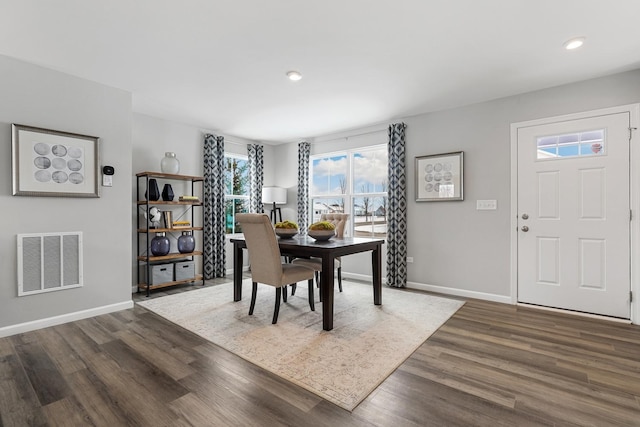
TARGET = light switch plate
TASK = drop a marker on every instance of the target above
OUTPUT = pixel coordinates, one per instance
(107, 181)
(486, 205)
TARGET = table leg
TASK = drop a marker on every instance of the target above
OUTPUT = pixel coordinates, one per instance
(326, 283)
(237, 272)
(376, 263)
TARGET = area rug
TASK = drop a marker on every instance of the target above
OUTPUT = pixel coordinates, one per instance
(343, 365)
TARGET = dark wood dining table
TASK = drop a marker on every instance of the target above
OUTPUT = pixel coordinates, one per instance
(304, 246)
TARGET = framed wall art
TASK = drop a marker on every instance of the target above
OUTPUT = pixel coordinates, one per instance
(52, 163)
(439, 177)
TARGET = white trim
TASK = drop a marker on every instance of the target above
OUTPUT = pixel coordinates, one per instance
(360, 277)
(229, 271)
(436, 289)
(634, 112)
(63, 318)
(504, 299)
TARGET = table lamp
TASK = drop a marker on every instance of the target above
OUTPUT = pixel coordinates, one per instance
(274, 196)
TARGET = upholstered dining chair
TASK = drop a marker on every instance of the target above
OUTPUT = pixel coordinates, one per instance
(266, 263)
(340, 221)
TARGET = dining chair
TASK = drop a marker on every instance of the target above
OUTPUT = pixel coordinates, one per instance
(266, 262)
(340, 221)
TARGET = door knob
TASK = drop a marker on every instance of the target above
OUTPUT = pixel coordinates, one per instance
(525, 216)
(525, 228)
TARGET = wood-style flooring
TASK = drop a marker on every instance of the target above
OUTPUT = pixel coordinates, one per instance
(489, 365)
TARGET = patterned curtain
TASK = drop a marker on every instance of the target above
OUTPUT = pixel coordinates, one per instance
(256, 177)
(214, 259)
(304, 150)
(397, 209)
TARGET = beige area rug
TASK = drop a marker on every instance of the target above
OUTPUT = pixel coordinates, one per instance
(344, 365)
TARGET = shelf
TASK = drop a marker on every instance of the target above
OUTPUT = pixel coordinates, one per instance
(183, 208)
(163, 202)
(170, 176)
(176, 255)
(165, 284)
(168, 230)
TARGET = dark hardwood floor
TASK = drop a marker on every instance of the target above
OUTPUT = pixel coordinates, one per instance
(489, 365)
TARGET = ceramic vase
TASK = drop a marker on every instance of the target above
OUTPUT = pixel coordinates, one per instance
(170, 164)
(153, 192)
(160, 245)
(167, 193)
(186, 243)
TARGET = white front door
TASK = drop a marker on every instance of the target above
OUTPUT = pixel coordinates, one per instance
(574, 215)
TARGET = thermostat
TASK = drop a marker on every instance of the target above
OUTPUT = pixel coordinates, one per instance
(107, 176)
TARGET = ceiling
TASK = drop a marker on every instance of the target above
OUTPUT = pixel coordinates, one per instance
(221, 64)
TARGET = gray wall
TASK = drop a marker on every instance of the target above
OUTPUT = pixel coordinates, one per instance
(152, 137)
(40, 97)
(454, 245)
(457, 248)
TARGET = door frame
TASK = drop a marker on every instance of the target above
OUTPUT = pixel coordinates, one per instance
(634, 190)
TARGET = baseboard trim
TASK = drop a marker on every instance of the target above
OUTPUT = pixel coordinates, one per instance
(64, 318)
(438, 289)
(504, 299)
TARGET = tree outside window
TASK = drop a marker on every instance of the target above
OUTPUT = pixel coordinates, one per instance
(236, 191)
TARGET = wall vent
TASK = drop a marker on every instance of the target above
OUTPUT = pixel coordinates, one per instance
(49, 262)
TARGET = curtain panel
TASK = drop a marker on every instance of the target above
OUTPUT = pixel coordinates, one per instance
(256, 177)
(397, 208)
(304, 151)
(214, 256)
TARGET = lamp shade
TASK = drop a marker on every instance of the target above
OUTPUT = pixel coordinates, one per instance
(277, 195)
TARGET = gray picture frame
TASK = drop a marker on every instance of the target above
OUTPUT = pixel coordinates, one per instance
(50, 163)
(440, 177)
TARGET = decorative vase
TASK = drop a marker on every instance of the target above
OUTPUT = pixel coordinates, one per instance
(186, 243)
(153, 192)
(167, 193)
(169, 163)
(160, 245)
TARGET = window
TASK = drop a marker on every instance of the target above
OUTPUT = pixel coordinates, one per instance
(236, 181)
(590, 143)
(352, 182)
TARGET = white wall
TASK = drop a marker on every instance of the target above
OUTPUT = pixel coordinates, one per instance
(39, 97)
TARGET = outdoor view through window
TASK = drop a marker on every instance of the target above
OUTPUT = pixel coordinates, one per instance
(352, 182)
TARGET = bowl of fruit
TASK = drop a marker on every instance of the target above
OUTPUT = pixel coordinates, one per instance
(286, 229)
(322, 230)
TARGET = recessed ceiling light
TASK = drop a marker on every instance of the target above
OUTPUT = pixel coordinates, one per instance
(294, 75)
(574, 43)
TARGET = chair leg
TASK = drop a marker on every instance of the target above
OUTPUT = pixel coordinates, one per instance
(311, 302)
(276, 309)
(340, 278)
(284, 293)
(294, 286)
(254, 290)
(317, 278)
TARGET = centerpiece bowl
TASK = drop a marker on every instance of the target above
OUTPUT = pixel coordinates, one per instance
(286, 233)
(321, 234)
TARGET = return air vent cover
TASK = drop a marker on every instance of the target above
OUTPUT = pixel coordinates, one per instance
(49, 262)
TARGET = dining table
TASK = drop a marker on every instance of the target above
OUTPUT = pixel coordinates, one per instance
(303, 246)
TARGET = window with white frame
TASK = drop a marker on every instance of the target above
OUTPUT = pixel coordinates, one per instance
(236, 181)
(355, 182)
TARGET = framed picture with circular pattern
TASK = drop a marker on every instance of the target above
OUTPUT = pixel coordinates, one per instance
(439, 177)
(53, 163)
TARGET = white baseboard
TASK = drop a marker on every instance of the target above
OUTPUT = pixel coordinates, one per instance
(438, 289)
(64, 318)
(505, 299)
